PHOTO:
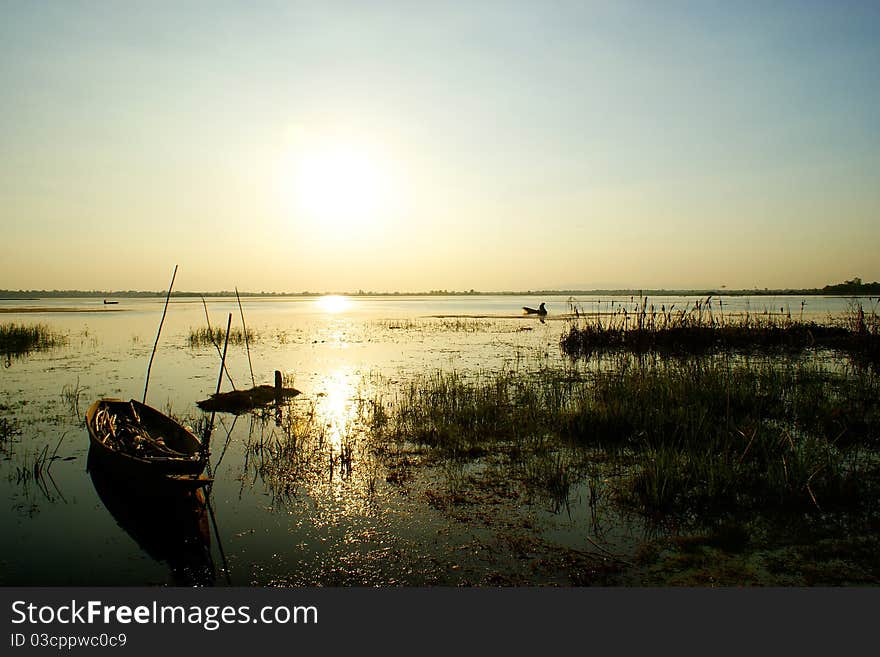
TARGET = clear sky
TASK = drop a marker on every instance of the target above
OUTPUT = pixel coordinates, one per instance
(414, 145)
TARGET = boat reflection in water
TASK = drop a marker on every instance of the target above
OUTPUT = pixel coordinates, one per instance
(170, 527)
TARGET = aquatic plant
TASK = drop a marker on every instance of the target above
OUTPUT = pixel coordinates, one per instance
(703, 327)
(22, 339)
(71, 395)
(204, 336)
(698, 433)
(441, 325)
(10, 431)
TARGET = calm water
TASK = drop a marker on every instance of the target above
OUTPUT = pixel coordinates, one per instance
(329, 522)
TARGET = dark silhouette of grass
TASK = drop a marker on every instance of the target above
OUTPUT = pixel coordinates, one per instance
(10, 432)
(22, 339)
(698, 434)
(703, 327)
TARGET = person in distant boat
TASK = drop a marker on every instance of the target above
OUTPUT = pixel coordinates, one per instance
(540, 310)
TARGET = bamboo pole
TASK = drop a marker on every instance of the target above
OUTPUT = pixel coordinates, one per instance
(216, 346)
(217, 536)
(156, 344)
(223, 357)
(246, 345)
(210, 429)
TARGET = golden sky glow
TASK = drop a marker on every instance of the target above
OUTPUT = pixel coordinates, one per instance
(339, 146)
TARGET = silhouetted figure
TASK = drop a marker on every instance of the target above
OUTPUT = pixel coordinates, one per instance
(540, 310)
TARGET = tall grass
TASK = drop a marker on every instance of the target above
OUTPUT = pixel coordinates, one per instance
(291, 450)
(693, 433)
(22, 339)
(703, 326)
(204, 336)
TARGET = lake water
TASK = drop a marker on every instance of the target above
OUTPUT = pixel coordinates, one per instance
(337, 520)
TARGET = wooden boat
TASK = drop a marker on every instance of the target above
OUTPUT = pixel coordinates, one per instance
(135, 441)
(109, 303)
(540, 310)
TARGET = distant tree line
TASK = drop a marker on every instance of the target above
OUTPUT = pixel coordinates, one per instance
(854, 287)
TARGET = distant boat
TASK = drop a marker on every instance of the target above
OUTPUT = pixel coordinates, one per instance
(110, 302)
(137, 443)
(540, 310)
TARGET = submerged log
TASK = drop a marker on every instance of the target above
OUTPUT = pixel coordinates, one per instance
(242, 401)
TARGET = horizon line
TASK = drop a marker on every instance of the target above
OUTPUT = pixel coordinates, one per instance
(719, 291)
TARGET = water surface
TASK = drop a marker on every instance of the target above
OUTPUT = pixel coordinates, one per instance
(346, 515)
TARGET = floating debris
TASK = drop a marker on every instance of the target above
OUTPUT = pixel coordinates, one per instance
(241, 401)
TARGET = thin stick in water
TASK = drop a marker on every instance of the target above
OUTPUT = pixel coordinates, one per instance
(213, 342)
(156, 344)
(223, 357)
(217, 536)
(210, 429)
(246, 345)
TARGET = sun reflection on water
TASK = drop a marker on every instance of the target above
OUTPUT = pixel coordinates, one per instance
(333, 303)
(336, 404)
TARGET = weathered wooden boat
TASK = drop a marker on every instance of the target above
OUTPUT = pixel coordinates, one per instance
(134, 441)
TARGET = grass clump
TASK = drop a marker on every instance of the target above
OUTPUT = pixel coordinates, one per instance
(691, 435)
(703, 327)
(10, 431)
(22, 339)
(204, 336)
(461, 416)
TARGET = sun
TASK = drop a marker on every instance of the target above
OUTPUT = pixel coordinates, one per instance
(341, 184)
(333, 303)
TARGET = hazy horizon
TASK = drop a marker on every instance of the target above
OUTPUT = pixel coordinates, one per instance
(414, 292)
(285, 146)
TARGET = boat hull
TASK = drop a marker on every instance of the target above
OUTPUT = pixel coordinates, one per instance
(183, 469)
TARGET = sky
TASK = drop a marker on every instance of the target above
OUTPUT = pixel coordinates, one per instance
(494, 145)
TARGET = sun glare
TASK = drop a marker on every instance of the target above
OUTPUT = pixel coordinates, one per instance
(335, 405)
(343, 185)
(333, 303)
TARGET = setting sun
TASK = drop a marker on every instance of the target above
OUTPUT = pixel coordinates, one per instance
(333, 303)
(340, 184)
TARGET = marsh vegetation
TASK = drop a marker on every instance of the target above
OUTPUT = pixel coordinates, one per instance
(703, 326)
(207, 336)
(18, 340)
(690, 435)
(490, 455)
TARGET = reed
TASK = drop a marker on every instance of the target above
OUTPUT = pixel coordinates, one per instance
(10, 432)
(693, 434)
(22, 339)
(703, 327)
(71, 395)
(288, 453)
(208, 336)
(440, 325)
